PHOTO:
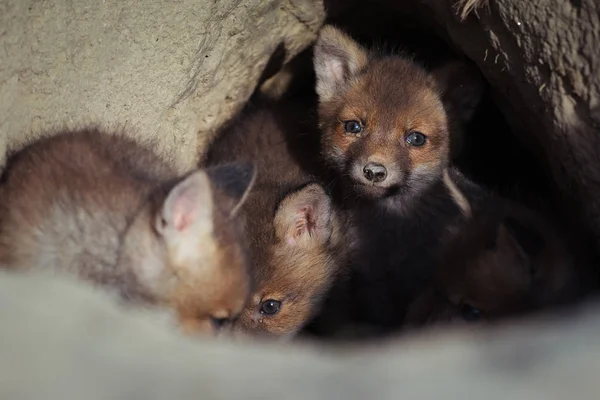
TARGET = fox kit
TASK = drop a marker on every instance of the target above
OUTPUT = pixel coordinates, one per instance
(294, 231)
(385, 132)
(110, 211)
(294, 262)
(503, 261)
(383, 119)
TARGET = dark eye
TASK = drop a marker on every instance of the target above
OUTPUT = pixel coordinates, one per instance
(270, 307)
(469, 313)
(352, 127)
(416, 139)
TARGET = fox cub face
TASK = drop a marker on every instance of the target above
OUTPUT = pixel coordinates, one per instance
(295, 271)
(197, 261)
(498, 264)
(383, 122)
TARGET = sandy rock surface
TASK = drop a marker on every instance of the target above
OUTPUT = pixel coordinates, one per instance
(174, 72)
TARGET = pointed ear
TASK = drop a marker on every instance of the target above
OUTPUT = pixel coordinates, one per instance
(451, 232)
(462, 87)
(516, 262)
(187, 211)
(337, 58)
(304, 217)
(234, 180)
(421, 308)
(529, 239)
(504, 239)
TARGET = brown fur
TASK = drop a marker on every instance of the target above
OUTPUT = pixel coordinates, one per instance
(504, 261)
(297, 265)
(107, 209)
(292, 227)
(390, 109)
(400, 218)
(391, 97)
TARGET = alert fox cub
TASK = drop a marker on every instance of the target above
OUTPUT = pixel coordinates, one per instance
(385, 127)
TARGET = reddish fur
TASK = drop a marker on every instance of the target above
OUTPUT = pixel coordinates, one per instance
(86, 203)
(298, 273)
(286, 268)
(483, 265)
(393, 97)
(399, 218)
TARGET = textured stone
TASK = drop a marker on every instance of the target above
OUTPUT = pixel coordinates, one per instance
(542, 59)
(172, 70)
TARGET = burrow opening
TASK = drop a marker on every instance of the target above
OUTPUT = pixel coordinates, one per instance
(493, 155)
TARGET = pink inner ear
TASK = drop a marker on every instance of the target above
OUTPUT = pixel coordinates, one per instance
(336, 69)
(304, 221)
(184, 212)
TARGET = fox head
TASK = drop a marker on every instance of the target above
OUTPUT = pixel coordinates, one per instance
(293, 270)
(383, 119)
(188, 250)
(497, 264)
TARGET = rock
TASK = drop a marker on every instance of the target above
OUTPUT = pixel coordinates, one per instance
(542, 60)
(174, 71)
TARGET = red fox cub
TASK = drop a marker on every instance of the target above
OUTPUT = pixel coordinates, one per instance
(296, 248)
(383, 118)
(385, 134)
(110, 211)
(295, 269)
(503, 261)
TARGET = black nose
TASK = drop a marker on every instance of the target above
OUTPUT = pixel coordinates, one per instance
(375, 172)
(218, 323)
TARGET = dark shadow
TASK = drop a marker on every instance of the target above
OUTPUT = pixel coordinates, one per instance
(274, 64)
(493, 155)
